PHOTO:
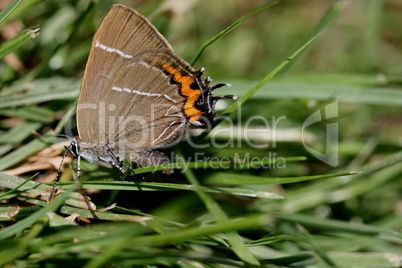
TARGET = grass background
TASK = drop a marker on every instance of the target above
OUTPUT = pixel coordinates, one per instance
(308, 214)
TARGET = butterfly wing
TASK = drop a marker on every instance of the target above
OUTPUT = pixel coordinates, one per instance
(144, 103)
(122, 35)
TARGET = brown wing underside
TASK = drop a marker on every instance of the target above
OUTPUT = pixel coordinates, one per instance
(142, 107)
(122, 34)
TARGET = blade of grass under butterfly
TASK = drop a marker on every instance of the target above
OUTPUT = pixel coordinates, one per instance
(18, 41)
(16, 188)
(246, 96)
(221, 178)
(11, 182)
(227, 30)
(238, 246)
(335, 225)
(382, 170)
(30, 220)
(157, 186)
(134, 241)
(107, 216)
(8, 9)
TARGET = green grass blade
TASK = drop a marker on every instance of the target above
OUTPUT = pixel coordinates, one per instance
(319, 193)
(329, 17)
(29, 99)
(251, 92)
(30, 220)
(103, 215)
(227, 30)
(74, 30)
(18, 41)
(31, 113)
(24, 152)
(186, 234)
(34, 146)
(18, 186)
(156, 186)
(19, 133)
(234, 239)
(9, 9)
(221, 178)
(372, 35)
(335, 225)
(41, 189)
(325, 91)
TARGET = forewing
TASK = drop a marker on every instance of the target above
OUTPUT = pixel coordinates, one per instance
(121, 36)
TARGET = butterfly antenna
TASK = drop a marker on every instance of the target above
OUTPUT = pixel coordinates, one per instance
(51, 135)
(62, 136)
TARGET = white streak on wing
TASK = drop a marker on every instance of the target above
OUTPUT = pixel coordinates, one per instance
(174, 115)
(145, 64)
(117, 89)
(169, 98)
(174, 131)
(113, 50)
(164, 131)
(146, 93)
(160, 71)
(142, 93)
(120, 53)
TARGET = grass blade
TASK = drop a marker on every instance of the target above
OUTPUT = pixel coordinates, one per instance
(18, 41)
(237, 179)
(9, 9)
(156, 186)
(288, 90)
(18, 186)
(251, 92)
(227, 30)
(30, 220)
(234, 239)
(29, 99)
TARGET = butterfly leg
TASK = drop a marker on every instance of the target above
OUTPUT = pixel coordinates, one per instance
(70, 150)
(109, 160)
(78, 167)
(116, 157)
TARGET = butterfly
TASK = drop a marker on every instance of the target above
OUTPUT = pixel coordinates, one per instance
(137, 95)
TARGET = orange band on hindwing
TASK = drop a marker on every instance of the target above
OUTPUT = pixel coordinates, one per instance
(185, 90)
